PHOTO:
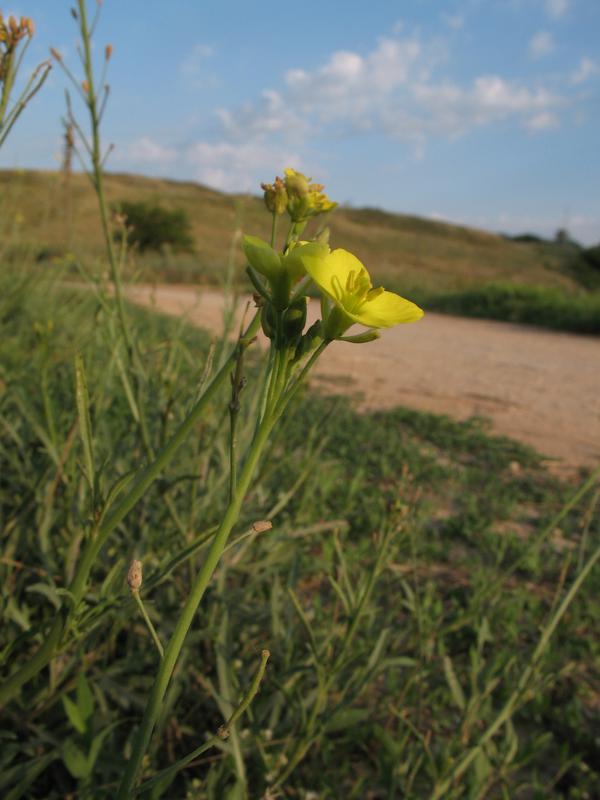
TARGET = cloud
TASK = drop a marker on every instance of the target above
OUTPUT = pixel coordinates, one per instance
(236, 166)
(391, 89)
(543, 121)
(541, 44)
(193, 67)
(454, 21)
(587, 69)
(146, 151)
(556, 8)
(394, 90)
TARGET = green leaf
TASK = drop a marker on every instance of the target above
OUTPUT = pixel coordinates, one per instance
(74, 714)
(75, 760)
(347, 718)
(85, 698)
(83, 412)
(47, 590)
(453, 684)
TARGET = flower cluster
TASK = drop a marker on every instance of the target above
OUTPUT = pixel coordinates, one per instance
(297, 195)
(343, 282)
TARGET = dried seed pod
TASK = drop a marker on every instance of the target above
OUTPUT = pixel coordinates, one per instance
(134, 575)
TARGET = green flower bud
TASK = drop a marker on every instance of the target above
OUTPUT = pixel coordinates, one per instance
(294, 319)
(276, 196)
(267, 320)
(361, 338)
(296, 183)
(262, 257)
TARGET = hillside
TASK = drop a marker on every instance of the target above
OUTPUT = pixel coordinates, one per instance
(50, 219)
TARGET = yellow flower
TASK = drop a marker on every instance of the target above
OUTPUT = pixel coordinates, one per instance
(305, 199)
(342, 277)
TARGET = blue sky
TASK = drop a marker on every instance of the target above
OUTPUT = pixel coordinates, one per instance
(484, 112)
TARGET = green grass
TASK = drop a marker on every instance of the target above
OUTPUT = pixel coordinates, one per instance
(530, 305)
(447, 624)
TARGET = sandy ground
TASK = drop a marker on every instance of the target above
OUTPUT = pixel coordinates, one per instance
(540, 387)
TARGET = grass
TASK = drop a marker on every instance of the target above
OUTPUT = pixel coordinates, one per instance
(412, 563)
(530, 305)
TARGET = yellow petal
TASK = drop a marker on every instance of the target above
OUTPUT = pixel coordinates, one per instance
(294, 261)
(331, 273)
(385, 310)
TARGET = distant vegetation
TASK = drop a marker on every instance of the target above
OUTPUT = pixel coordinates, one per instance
(152, 227)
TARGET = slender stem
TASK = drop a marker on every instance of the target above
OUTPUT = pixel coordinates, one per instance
(145, 479)
(273, 229)
(175, 644)
(222, 733)
(149, 624)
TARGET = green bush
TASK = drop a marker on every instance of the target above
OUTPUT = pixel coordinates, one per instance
(152, 227)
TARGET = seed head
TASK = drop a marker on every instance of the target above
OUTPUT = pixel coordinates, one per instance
(134, 575)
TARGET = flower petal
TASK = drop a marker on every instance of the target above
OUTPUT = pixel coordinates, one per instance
(385, 310)
(294, 261)
(331, 273)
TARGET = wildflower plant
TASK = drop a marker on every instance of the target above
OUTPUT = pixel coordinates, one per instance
(15, 35)
(282, 282)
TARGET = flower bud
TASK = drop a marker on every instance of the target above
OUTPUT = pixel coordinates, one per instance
(294, 319)
(262, 525)
(361, 338)
(296, 183)
(276, 196)
(267, 320)
(134, 575)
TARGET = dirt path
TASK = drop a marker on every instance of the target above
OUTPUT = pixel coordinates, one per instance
(540, 387)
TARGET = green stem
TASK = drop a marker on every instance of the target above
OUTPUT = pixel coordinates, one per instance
(203, 578)
(222, 733)
(149, 624)
(145, 479)
(273, 229)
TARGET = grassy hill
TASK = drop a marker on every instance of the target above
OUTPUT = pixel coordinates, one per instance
(448, 267)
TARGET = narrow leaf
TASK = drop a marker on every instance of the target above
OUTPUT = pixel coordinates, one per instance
(83, 412)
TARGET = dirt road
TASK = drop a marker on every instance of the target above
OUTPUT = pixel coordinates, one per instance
(540, 387)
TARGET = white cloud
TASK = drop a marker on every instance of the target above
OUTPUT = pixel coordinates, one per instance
(146, 150)
(556, 8)
(541, 44)
(193, 67)
(454, 21)
(587, 69)
(236, 166)
(543, 121)
(394, 90)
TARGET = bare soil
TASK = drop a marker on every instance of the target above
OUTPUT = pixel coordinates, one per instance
(539, 387)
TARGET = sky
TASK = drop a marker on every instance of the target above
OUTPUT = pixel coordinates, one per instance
(481, 112)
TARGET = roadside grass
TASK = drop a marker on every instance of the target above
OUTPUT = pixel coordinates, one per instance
(529, 305)
(412, 563)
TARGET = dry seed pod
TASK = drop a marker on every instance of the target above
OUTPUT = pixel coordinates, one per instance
(262, 525)
(134, 575)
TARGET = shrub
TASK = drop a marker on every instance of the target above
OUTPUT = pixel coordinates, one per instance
(152, 227)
